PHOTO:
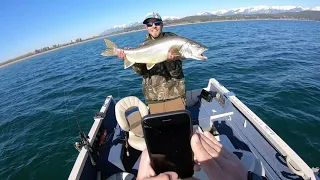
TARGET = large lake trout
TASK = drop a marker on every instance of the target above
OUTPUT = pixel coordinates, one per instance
(156, 51)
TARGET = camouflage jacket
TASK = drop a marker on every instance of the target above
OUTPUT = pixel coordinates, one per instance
(164, 81)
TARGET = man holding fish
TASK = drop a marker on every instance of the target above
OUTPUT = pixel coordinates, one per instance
(158, 60)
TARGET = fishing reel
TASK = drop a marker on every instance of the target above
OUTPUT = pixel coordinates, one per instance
(86, 144)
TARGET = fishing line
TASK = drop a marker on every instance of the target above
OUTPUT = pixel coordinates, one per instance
(65, 107)
(67, 113)
(75, 114)
(68, 102)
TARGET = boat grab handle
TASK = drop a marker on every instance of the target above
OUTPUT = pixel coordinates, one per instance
(221, 115)
(294, 170)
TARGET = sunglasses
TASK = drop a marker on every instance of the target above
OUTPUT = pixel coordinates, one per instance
(156, 23)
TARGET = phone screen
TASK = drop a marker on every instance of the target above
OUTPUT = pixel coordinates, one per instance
(168, 142)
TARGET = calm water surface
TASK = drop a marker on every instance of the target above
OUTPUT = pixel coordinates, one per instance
(272, 66)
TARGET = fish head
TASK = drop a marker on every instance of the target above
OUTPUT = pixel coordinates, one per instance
(193, 50)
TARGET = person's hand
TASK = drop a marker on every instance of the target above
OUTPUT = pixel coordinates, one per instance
(172, 57)
(215, 160)
(121, 54)
(146, 172)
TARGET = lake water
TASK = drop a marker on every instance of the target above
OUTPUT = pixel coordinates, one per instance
(272, 66)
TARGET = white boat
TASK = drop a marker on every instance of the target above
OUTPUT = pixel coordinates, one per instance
(260, 149)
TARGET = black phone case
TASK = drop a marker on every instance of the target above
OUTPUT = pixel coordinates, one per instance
(166, 114)
(157, 118)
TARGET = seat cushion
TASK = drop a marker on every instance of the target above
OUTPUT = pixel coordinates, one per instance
(126, 104)
(134, 119)
(136, 142)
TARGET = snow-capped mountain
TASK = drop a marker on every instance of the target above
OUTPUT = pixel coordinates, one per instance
(128, 25)
(168, 18)
(317, 8)
(225, 12)
(205, 14)
(220, 12)
(260, 10)
(117, 28)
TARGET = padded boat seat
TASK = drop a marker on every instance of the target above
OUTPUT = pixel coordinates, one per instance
(129, 112)
(134, 119)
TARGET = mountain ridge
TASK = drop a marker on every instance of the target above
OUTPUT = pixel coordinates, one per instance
(223, 14)
(261, 10)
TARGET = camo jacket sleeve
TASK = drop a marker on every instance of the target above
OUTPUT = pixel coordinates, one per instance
(139, 69)
(174, 68)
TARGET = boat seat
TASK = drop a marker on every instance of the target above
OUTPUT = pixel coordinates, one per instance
(134, 118)
(129, 113)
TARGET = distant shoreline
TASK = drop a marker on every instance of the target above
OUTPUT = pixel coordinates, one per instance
(18, 60)
(214, 21)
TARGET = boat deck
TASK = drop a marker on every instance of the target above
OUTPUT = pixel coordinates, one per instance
(113, 158)
(220, 116)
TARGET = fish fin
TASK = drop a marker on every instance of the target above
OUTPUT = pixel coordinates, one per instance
(174, 51)
(127, 63)
(108, 52)
(150, 65)
(111, 48)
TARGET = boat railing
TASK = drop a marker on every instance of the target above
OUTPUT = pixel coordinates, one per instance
(294, 162)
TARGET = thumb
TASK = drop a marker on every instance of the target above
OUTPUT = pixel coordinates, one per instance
(199, 152)
(208, 164)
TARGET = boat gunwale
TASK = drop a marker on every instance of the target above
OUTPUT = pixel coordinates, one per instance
(293, 160)
(83, 155)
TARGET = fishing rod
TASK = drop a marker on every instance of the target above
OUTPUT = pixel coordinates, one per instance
(93, 150)
(84, 143)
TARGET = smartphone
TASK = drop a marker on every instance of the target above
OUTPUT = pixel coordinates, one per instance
(167, 137)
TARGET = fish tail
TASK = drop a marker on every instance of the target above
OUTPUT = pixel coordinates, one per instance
(111, 49)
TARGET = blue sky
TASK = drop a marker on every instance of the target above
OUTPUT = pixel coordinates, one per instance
(28, 25)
